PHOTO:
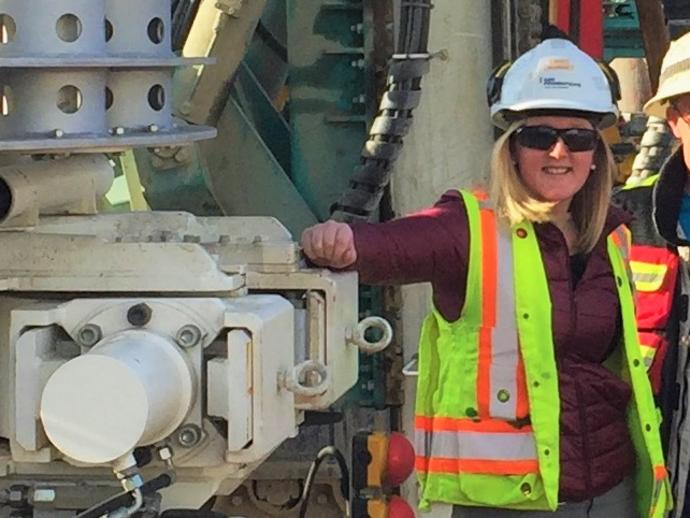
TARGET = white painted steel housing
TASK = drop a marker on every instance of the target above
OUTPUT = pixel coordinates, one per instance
(134, 388)
(201, 272)
(70, 186)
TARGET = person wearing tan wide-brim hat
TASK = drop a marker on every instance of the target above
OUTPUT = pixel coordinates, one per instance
(660, 237)
(674, 80)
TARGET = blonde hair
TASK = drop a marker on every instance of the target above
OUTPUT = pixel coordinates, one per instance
(589, 206)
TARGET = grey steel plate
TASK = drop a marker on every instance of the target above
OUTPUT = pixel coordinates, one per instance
(99, 142)
(100, 62)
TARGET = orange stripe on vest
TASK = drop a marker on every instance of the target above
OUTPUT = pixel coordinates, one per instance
(489, 276)
(449, 424)
(492, 467)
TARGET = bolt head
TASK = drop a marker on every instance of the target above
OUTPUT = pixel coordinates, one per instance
(139, 315)
(165, 453)
(89, 335)
(44, 495)
(188, 336)
(189, 436)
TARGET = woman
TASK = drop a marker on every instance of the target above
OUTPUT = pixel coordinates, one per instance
(532, 399)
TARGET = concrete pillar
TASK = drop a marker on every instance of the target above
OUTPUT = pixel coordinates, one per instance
(635, 86)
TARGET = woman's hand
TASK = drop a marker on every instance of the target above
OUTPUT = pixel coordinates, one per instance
(330, 244)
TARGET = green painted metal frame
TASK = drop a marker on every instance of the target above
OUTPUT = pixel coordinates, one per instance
(260, 164)
(622, 36)
(331, 95)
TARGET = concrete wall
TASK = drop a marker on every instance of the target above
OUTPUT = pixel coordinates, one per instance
(450, 141)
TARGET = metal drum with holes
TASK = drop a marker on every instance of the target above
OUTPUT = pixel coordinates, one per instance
(52, 28)
(88, 76)
(52, 104)
(139, 100)
(145, 34)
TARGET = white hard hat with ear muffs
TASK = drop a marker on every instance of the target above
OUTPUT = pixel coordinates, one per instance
(555, 77)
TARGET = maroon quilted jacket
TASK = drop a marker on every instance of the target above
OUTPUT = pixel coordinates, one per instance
(432, 246)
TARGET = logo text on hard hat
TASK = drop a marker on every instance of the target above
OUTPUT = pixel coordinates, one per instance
(552, 82)
(558, 64)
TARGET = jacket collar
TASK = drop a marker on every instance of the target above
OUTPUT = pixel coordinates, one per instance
(667, 197)
(615, 218)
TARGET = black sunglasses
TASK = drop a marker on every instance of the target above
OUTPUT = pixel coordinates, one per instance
(544, 138)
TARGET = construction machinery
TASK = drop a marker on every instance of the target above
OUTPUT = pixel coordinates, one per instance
(185, 360)
(140, 350)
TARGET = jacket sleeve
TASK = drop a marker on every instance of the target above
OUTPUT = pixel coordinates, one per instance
(427, 246)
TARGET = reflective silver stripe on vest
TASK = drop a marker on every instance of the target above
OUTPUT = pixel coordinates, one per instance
(647, 278)
(505, 343)
(476, 445)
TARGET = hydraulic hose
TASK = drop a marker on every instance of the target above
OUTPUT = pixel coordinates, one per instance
(126, 500)
(409, 64)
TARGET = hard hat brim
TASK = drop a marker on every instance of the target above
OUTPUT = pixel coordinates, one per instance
(503, 117)
(674, 86)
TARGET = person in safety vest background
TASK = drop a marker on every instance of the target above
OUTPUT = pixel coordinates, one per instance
(532, 398)
(659, 261)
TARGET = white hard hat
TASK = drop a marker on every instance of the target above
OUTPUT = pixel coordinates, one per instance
(554, 76)
(674, 79)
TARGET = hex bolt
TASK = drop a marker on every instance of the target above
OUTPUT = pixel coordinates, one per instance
(186, 108)
(18, 495)
(165, 453)
(89, 335)
(157, 162)
(188, 336)
(189, 436)
(44, 495)
(59, 133)
(153, 128)
(184, 155)
(139, 315)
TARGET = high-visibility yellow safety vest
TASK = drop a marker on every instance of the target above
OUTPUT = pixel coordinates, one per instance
(487, 409)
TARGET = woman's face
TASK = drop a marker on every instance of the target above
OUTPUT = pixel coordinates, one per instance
(555, 174)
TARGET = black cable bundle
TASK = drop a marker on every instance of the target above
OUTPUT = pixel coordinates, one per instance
(328, 452)
(409, 64)
(183, 13)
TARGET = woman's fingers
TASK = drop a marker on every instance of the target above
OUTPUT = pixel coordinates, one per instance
(344, 253)
(329, 244)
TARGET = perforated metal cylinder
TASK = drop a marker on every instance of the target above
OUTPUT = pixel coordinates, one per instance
(140, 99)
(52, 28)
(41, 101)
(146, 33)
(88, 75)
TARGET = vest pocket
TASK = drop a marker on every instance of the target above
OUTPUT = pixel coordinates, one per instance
(458, 357)
(520, 491)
